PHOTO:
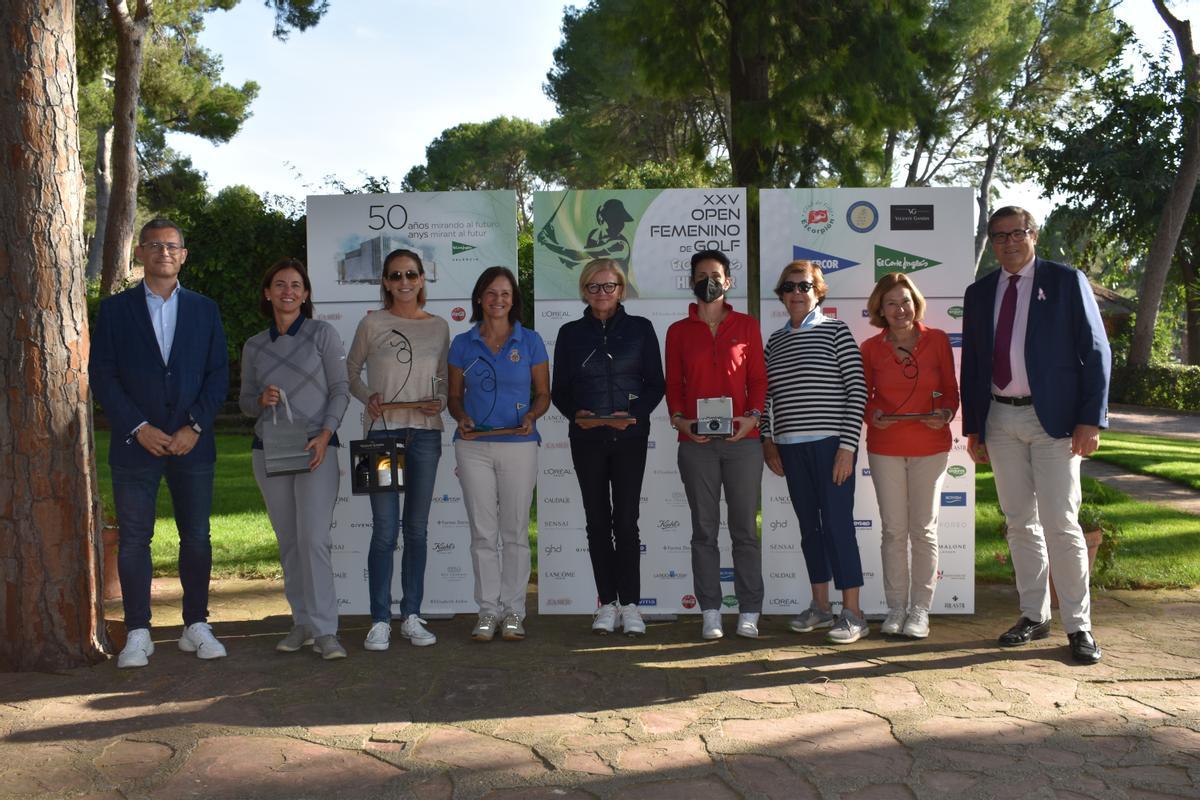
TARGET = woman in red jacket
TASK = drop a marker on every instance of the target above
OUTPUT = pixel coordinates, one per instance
(910, 371)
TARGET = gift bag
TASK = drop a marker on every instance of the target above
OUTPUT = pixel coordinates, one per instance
(284, 441)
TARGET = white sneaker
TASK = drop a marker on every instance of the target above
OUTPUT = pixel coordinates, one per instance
(606, 618)
(894, 622)
(631, 620)
(198, 638)
(917, 626)
(137, 651)
(711, 626)
(850, 627)
(379, 637)
(413, 628)
(748, 625)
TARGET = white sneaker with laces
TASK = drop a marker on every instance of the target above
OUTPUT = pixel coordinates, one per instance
(850, 627)
(379, 638)
(748, 625)
(894, 622)
(711, 626)
(137, 651)
(198, 638)
(606, 618)
(917, 626)
(413, 628)
(631, 620)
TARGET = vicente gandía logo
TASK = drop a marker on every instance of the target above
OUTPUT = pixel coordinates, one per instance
(889, 260)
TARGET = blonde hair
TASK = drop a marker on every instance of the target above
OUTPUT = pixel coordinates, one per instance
(885, 285)
(817, 278)
(594, 268)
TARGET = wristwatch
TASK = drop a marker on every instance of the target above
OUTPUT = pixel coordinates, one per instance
(196, 427)
(754, 412)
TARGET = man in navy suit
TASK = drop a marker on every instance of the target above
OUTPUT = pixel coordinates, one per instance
(160, 370)
(1035, 374)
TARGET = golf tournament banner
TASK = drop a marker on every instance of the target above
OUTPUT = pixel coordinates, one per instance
(857, 236)
(458, 235)
(653, 234)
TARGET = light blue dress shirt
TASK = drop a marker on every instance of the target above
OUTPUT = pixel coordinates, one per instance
(163, 315)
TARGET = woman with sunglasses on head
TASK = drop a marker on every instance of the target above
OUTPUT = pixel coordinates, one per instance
(404, 350)
(298, 364)
(608, 378)
(811, 426)
(499, 386)
(910, 372)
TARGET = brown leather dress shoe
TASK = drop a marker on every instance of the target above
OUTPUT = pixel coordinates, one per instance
(1084, 648)
(1024, 632)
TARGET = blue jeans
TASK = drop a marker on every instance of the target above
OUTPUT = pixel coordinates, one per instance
(825, 512)
(135, 490)
(422, 453)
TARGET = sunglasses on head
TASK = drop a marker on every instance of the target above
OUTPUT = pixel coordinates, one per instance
(411, 274)
(787, 287)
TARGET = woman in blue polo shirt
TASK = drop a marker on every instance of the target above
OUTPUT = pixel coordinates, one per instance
(499, 385)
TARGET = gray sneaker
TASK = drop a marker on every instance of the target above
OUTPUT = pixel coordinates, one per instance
(512, 630)
(298, 637)
(328, 647)
(811, 619)
(894, 622)
(485, 628)
(850, 627)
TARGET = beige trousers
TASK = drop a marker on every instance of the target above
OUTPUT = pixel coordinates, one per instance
(907, 490)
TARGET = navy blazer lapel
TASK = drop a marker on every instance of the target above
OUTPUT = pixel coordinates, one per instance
(182, 317)
(987, 288)
(141, 314)
(1036, 307)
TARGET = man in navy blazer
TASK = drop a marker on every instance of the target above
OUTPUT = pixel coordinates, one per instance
(1034, 383)
(161, 372)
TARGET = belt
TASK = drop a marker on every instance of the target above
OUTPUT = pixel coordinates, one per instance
(1027, 400)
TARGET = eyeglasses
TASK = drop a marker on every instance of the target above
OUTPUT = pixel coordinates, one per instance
(411, 274)
(1000, 237)
(787, 287)
(168, 247)
(595, 288)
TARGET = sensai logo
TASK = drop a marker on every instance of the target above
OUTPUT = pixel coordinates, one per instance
(955, 311)
(863, 523)
(784, 546)
(443, 547)
(668, 524)
(912, 218)
(888, 260)
(783, 576)
(556, 501)
(955, 339)
(828, 263)
(557, 472)
(556, 315)
(956, 470)
(726, 574)
(954, 498)
(776, 524)
(554, 523)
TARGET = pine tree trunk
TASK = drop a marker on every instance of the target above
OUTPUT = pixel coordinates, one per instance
(50, 612)
(103, 175)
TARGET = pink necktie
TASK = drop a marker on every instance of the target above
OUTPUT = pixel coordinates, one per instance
(1001, 364)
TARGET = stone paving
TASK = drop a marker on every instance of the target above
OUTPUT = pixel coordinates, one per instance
(568, 715)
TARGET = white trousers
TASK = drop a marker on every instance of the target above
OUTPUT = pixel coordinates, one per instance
(907, 490)
(497, 481)
(1037, 481)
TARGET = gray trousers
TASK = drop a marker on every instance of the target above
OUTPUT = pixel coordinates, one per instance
(737, 466)
(300, 508)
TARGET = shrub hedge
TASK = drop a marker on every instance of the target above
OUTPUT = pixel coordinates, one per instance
(1162, 385)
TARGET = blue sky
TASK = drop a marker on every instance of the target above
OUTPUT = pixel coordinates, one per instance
(377, 80)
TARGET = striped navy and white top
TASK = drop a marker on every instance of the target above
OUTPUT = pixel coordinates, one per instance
(815, 383)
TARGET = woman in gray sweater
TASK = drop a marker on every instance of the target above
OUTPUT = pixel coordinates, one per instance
(302, 361)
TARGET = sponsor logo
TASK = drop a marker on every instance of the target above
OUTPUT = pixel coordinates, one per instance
(670, 575)
(785, 546)
(952, 547)
(552, 548)
(343, 601)
(912, 218)
(866, 471)
(862, 217)
(458, 313)
(784, 601)
(673, 548)
(329, 316)
(551, 314)
(954, 606)
(955, 312)
(666, 472)
(818, 218)
(956, 470)
(556, 418)
(651, 444)
(776, 524)
(726, 574)
(556, 501)
(459, 247)
(864, 523)
(443, 547)
(447, 498)
(560, 574)
(556, 445)
(829, 311)
(642, 547)
(688, 601)
(828, 263)
(783, 576)
(954, 498)
(957, 525)
(889, 260)
(648, 601)
(729, 601)
(667, 524)
(339, 576)
(781, 498)
(554, 523)
(361, 524)
(558, 601)
(557, 472)
(955, 339)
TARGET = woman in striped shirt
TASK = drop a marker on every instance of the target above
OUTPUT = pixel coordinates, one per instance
(815, 399)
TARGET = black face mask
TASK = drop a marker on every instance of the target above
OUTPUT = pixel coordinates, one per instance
(709, 290)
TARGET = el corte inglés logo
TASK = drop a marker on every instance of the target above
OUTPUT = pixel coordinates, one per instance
(459, 247)
(889, 260)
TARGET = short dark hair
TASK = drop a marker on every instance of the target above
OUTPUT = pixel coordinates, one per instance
(710, 255)
(159, 223)
(490, 274)
(1014, 211)
(392, 256)
(264, 305)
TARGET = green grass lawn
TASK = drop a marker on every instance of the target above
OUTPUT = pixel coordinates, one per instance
(1176, 460)
(1158, 548)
